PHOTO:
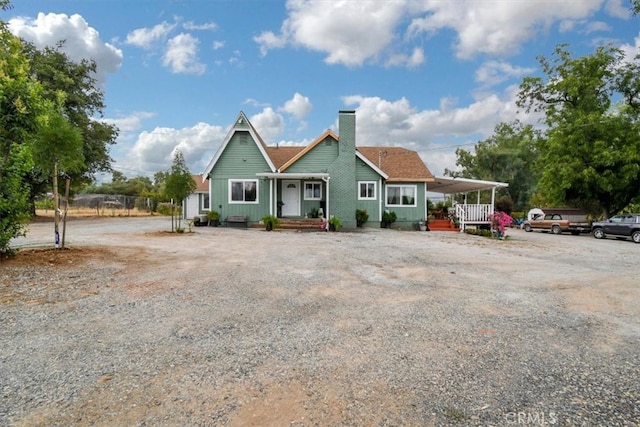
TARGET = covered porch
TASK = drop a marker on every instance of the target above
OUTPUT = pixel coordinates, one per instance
(292, 195)
(469, 214)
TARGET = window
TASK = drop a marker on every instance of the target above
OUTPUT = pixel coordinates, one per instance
(205, 202)
(312, 190)
(401, 195)
(367, 190)
(243, 191)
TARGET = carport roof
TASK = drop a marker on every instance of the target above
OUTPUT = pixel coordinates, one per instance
(451, 185)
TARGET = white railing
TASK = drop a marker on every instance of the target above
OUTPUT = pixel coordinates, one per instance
(473, 214)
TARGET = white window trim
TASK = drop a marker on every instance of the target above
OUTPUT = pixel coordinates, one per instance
(415, 195)
(375, 190)
(237, 202)
(204, 197)
(304, 192)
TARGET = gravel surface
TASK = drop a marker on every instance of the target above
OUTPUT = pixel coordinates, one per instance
(136, 326)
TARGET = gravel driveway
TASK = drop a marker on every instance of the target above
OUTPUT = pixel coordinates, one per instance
(135, 326)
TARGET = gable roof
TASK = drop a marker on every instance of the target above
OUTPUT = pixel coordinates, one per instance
(318, 140)
(400, 164)
(241, 124)
(202, 185)
(282, 154)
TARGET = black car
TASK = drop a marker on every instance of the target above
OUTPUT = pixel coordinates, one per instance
(624, 225)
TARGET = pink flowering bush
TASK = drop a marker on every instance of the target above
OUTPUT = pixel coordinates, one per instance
(499, 222)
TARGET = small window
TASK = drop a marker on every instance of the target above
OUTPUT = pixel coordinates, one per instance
(312, 190)
(243, 191)
(367, 190)
(205, 202)
(401, 195)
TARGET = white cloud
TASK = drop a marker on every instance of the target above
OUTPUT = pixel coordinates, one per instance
(217, 45)
(182, 55)
(80, 40)
(191, 26)
(410, 61)
(596, 26)
(497, 27)
(631, 51)
(618, 8)
(130, 123)
(349, 32)
(146, 37)
(298, 106)
(352, 33)
(153, 151)
(494, 72)
(268, 40)
(269, 124)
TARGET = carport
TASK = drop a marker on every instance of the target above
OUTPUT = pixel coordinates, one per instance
(469, 214)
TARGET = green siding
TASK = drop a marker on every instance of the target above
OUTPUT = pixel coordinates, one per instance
(241, 159)
(318, 158)
(365, 173)
(407, 216)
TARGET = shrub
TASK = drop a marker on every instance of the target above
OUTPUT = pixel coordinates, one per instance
(389, 217)
(362, 216)
(334, 223)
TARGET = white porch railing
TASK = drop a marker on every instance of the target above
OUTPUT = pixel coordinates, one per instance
(474, 214)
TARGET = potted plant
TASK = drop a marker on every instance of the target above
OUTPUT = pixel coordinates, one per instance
(362, 216)
(334, 223)
(388, 218)
(214, 218)
(270, 222)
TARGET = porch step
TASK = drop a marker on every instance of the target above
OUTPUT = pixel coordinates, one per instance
(309, 224)
(442, 225)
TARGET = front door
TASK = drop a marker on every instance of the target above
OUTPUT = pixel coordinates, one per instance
(291, 198)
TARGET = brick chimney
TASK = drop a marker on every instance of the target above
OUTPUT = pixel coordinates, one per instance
(343, 185)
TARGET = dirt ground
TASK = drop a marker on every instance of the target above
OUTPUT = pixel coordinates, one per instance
(494, 291)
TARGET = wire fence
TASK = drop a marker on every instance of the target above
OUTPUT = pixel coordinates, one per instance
(107, 205)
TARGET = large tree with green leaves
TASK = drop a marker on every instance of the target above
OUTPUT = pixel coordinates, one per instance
(179, 182)
(506, 156)
(591, 155)
(20, 106)
(82, 105)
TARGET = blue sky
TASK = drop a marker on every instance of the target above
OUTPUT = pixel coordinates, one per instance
(428, 75)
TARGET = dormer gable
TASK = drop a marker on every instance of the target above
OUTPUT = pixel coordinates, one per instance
(322, 138)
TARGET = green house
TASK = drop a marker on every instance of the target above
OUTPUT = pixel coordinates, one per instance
(332, 176)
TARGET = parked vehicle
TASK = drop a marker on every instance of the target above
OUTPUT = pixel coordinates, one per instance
(619, 226)
(557, 221)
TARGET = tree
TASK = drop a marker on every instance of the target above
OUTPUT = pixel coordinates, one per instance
(82, 103)
(591, 155)
(506, 156)
(179, 182)
(20, 104)
(57, 148)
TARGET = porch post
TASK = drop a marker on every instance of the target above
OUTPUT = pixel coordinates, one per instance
(425, 202)
(493, 199)
(380, 200)
(326, 214)
(271, 201)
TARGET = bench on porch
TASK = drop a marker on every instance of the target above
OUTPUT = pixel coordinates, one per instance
(236, 221)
